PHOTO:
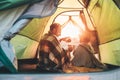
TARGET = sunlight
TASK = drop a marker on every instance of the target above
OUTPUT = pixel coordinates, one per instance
(72, 25)
(70, 31)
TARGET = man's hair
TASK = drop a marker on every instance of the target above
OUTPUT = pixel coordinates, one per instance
(54, 25)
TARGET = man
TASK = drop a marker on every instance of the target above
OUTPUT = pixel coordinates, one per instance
(51, 54)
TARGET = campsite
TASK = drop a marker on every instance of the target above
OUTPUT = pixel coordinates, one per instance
(24, 22)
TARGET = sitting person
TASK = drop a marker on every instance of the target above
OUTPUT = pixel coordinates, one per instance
(83, 54)
(51, 54)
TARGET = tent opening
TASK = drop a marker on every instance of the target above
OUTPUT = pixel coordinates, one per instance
(72, 25)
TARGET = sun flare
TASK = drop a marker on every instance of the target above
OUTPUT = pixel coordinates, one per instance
(70, 31)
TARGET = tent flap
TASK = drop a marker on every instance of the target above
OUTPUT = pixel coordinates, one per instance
(41, 9)
(8, 57)
(8, 18)
(7, 4)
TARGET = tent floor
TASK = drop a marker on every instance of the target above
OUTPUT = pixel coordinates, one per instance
(29, 66)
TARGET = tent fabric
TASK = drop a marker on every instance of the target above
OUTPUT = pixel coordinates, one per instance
(110, 52)
(36, 32)
(8, 4)
(100, 13)
(9, 60)
(67, 4)
(8, 17)
(106, 16)
(15, 29)
(26, 49)
(26, 42)
(20, 23)
(41, 9)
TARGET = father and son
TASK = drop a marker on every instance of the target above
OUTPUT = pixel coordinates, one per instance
(53, 57)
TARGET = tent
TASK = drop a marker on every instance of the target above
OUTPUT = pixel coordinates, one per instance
(21, 30)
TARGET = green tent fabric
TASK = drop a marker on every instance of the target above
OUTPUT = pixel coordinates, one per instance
(110, 52)
(7, 4)
(106, 16)
(29, 38)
